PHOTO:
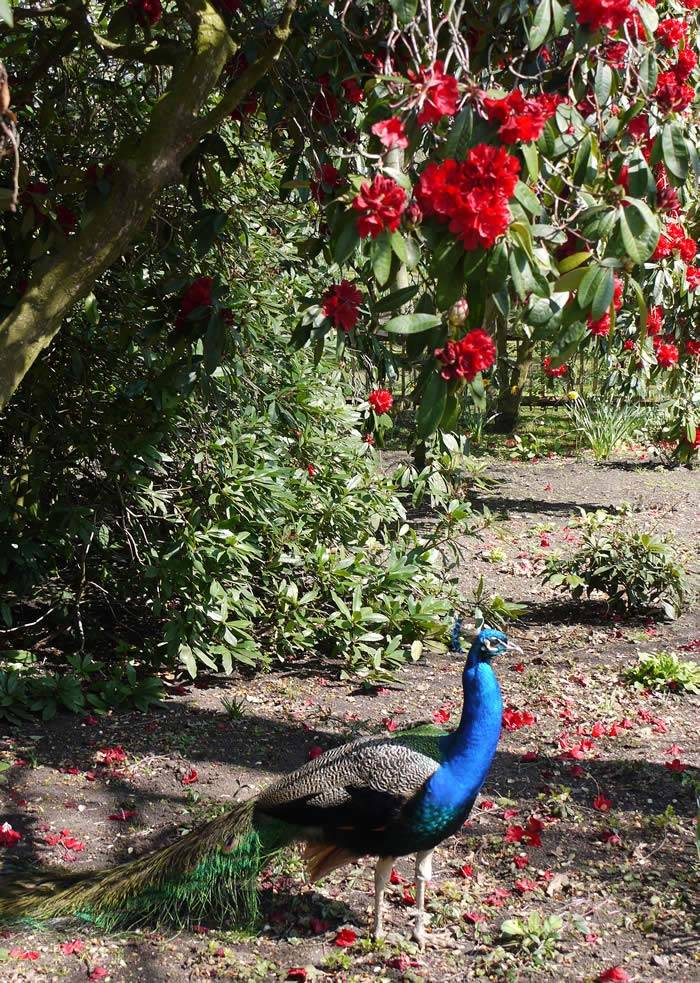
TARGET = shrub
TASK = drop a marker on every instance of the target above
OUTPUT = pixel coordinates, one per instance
(603, 424)
(637, 570)
(664, 670)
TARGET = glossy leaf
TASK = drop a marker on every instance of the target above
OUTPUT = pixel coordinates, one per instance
(411, 323)
(639, 229)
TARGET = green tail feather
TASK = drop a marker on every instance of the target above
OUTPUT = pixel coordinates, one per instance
(209, 876)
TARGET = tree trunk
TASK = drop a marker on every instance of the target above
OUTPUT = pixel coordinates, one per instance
(512, 382)
(141, 173)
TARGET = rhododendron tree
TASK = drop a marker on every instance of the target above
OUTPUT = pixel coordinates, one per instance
(540, 165)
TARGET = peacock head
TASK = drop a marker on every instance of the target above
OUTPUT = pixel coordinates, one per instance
(490, 642)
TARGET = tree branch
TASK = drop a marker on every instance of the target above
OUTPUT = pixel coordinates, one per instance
(141, 172)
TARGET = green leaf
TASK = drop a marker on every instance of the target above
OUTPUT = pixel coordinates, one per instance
(639, 229)
(527, 198)
(346, 243)
(572, 261)
(603, 82)
(649, 18)
(432, 406)
(398, 244)
(674, 150)
(641, 180)
(381, 254)
(603, 295)
(532, 160)
(643, 311)
(571, 280)
(589, 285)
(460, 134)
(585, 163)
(567, 343)
(396, 299)
(411, 323)
(648, 72)
(405, 10)
(6, 12)
(540, 25)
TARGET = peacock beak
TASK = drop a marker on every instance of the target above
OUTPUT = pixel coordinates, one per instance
(512, 647)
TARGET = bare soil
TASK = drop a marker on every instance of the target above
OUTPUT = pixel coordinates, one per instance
(617, 861)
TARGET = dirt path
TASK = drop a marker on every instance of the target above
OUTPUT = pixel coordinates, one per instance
(585, 755)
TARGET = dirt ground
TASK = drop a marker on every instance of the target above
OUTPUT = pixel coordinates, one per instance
(584, 753)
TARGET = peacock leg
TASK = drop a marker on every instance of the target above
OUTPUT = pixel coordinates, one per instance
(424, 872)
(382, 873)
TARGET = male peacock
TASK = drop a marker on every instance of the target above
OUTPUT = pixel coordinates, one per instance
(380, 796)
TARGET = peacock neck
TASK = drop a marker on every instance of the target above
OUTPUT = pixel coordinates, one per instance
(469, 751)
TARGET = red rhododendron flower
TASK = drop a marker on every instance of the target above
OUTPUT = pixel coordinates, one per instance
(602, 804)
(616, 974)
(655, 320)
(672, 94)
(380, 400)
(381, 205)
(391, 133)
(628, 345)
(521, 861)
(466, 358)
(666, 355)
(327, 179)
(551, 371)
(345, 937)
(435, 93)
(191, 777)
(618, 290)
(354, 93)
(638, 127)
(98, 973)
(9, 836)
(685, 64)
(615, 53)
(671, 32)
(595, 14)
(390, 724)
(24, 954)
(601, 327)
(147, 12)
(692, 348)
(471, 195)
(692, 277)
(198, 294)
(341, 304)
(521, 119)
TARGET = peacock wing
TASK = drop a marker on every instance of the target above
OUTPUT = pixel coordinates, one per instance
(363, 785)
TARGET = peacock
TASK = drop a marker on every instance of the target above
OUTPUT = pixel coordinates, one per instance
(385, 797)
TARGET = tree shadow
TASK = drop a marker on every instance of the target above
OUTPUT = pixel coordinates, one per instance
(537, 506)
(563, 611)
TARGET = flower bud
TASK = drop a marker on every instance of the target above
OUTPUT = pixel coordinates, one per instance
(458, 313)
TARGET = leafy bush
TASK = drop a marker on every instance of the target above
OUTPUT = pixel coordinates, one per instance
(535, 937)
(604, 424)
(664, 670)
(636, 569)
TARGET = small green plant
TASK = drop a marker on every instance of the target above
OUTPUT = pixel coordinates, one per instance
(526, 447)
(235, 709)
(637, 570)
(535, 936)
(664, 670)
(495, 555)
(604, 425)
(493, 609)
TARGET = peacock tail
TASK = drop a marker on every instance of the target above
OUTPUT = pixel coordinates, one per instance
(208, 875)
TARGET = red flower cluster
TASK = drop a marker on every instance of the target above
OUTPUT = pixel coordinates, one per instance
(692, 348)
(391, 133)
(674, 239)
(198, 294)
(529, 834)
(354, 92)
(147, 12)
(435, 93)
(380, 400)
(324, 108)
(595, 14)
(692, 276)
(381, 205)
(464, 359)
(111, 756)
(521, 119)
(601, 327)
(340, 303)
(686, 63)
(666, 354)
(672, 93)
(551, 371)
(615, 53)
(671, 32)
(638, 127)
(471, 195)
(9, 836)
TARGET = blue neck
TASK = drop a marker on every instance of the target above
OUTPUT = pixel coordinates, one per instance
(469, 751)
